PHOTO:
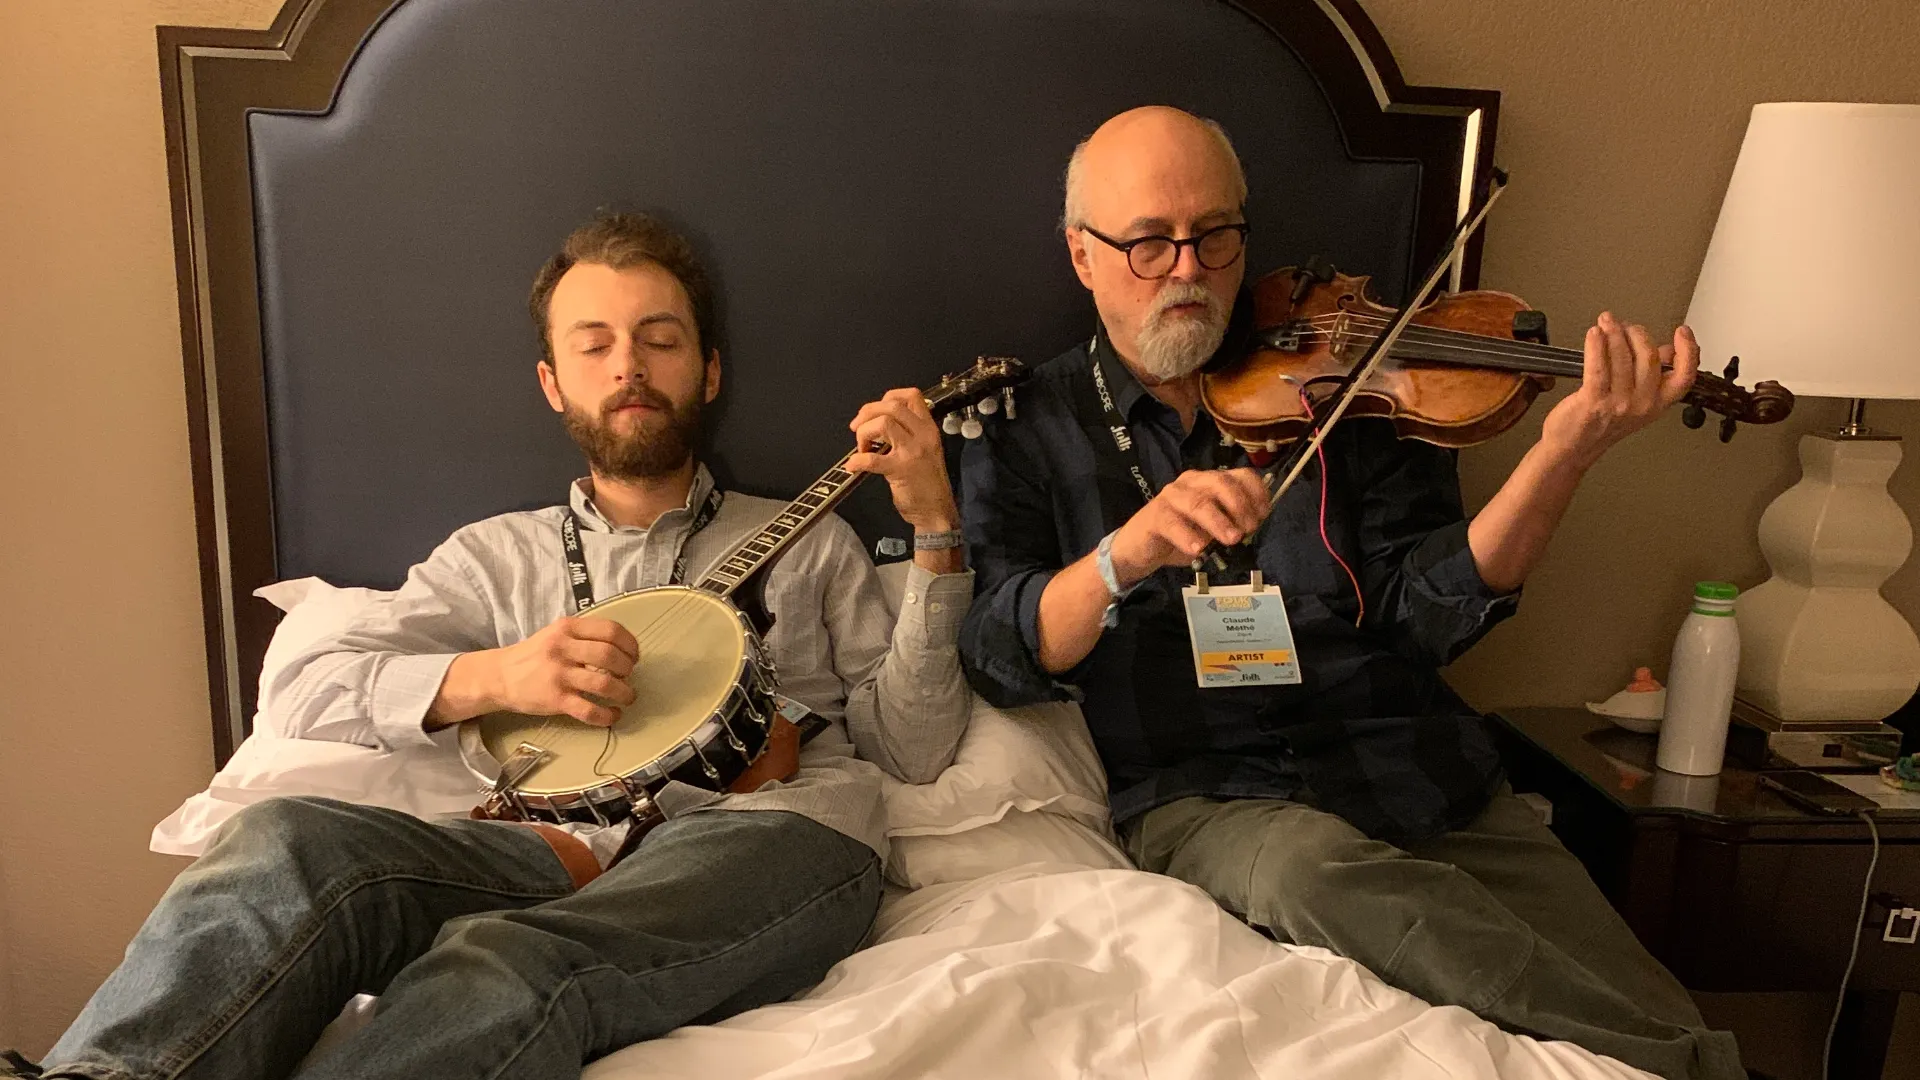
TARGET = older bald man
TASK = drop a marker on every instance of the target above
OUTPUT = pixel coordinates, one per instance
(1362, 809)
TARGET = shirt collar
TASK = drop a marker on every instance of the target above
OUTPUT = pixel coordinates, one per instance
(580, 498)
(1127, 389)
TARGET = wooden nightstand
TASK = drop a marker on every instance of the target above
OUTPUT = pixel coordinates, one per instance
(1730, 886)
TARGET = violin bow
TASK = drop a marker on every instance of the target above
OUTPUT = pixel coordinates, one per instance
(1296, 461)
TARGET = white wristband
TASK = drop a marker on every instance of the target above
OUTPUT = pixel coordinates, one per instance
(1103, 558)
(1103, 561)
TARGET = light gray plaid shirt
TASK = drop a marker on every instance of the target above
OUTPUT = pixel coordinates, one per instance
(899, 703)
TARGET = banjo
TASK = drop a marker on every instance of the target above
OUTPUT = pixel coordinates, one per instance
(705, 708)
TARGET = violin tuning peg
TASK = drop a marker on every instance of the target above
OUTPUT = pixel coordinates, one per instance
(988, 405)
(1727, 428)
(950, 423)
(1006, 399)
(1732, 371)
(1693, 416)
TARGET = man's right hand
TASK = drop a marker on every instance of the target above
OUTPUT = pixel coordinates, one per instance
(1198, 508)
(556, 672)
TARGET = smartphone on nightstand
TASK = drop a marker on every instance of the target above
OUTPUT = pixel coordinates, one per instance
(1811, 791)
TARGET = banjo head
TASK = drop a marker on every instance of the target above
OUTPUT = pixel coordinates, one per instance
(693, 648)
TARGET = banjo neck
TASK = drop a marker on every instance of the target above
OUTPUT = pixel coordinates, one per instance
(963, 393)
(759, 550)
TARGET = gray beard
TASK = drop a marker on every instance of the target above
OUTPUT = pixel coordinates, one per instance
(1169, 348)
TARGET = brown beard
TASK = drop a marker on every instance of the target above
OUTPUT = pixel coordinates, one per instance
(651, 450)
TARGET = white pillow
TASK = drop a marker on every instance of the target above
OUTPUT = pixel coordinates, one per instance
(426, 781)
(1034, 758)
(1038, 757)
(315, 611)
(1021, 838)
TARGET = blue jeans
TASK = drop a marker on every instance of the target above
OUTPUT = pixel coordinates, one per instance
(487, 961)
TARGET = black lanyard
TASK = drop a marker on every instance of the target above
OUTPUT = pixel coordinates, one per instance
(1117, 427)
(1106, 427)
(1099, 410)
(582, 583)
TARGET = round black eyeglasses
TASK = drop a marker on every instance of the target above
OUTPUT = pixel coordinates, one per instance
(1154, 257)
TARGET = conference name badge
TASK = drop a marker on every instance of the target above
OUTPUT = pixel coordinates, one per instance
(1240, 635)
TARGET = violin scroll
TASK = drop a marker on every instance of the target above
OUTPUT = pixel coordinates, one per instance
(1767, 403)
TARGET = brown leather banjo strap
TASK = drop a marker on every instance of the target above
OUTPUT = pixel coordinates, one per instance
(779, 760)
(573, 852)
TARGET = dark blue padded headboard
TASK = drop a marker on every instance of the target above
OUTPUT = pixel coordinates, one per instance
(876, 184)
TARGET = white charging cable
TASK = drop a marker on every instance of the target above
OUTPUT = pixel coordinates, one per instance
(1859, 927)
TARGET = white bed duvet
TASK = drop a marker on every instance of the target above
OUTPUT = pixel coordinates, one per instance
(1053, 971)
(1025, 948)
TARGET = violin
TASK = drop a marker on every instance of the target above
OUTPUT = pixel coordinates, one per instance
(1454, 372)
(1465, 368)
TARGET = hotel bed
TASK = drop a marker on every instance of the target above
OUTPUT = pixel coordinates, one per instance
(361, 195)
(1014, 941)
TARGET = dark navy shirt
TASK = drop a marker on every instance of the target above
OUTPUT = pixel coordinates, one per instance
(1372, 733)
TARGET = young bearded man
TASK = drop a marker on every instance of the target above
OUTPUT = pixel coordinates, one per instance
(1364, 808)
(502, 950)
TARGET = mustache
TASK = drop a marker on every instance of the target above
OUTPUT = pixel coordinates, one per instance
(638, 395)
(1183, 292)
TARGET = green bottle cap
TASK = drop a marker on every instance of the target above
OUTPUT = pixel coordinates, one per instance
(1715, 590)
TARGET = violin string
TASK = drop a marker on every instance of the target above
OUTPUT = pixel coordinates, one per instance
(1470, 355)
(1477, 356)
(1504, 346)
(1476, 343)
(1438, 333)
(1376, 353)
(1460, 340)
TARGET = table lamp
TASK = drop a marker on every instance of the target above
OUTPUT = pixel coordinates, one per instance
(1813, 279)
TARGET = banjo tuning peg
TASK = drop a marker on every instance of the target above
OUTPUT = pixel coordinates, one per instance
(950, 423)
(1006, 400)
(1727, 427)
(1732, 370)
(988, 405)
(1693, 416)
(970, 425)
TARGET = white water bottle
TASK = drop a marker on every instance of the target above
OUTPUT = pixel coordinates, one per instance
(1706, 658)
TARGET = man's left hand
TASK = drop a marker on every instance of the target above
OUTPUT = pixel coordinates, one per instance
(897, 438)
(1627, 382)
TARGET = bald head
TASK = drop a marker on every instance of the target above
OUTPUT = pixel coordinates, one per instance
(1153, 151)
(1158, 172)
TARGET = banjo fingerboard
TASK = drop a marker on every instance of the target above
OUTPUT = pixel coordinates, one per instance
(779, 534)
(988, 376)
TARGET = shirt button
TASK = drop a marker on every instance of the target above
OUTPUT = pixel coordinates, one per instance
(936, 607)
(913, 597)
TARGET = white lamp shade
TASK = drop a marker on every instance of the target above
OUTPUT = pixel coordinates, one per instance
(1813, 275)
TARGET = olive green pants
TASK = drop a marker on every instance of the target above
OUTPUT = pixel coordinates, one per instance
(1497, 918)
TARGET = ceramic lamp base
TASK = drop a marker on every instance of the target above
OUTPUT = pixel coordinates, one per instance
(1817, 640)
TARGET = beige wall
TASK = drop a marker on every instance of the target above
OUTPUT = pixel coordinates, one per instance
(1620, 124)
(1620, 120)
(103, 703)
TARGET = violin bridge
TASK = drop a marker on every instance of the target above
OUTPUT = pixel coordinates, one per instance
(1341, 340)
